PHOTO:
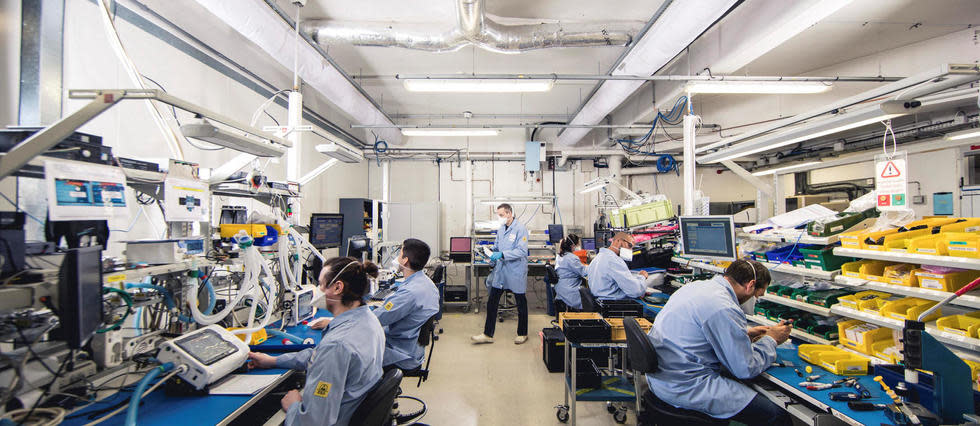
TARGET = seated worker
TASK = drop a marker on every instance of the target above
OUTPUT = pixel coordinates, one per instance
(346, 364)
(609, 277)
(701, 333)
(570, 273)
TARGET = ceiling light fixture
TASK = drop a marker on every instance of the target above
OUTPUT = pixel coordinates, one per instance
(965, 134)
(757, 87)
(449, 132)
(476, 85)
(209, 133)
(779, 169)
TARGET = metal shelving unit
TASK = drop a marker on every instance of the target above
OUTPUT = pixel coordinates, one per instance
(794, 332)
(697, 264)
(814, 309)
(786, 268)
(801, 238)
(970, 300)
(921, 259)
(964, 342)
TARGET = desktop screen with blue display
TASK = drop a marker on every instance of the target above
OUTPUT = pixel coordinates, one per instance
(708, 236)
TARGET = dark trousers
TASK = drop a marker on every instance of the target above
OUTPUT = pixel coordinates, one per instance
(762, 411)
(493, 301)
(562, 307)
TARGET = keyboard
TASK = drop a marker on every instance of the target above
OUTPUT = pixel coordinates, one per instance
(383, 293)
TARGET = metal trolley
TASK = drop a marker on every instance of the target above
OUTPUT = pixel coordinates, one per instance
(616, 390)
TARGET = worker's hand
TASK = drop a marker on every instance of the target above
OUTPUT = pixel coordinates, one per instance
(290, 398)
(496, 255)
(779, 333)
(645, 274)
(756, 332)
(260, 360)
(320, 323)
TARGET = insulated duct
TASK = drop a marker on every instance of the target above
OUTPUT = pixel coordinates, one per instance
(473, 27)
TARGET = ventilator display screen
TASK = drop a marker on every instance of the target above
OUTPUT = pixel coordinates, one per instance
(207, 347)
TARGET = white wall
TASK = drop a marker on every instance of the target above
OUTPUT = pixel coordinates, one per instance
(10, 69)
(90, 63)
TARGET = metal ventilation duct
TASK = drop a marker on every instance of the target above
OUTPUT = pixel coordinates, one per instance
(473, 27)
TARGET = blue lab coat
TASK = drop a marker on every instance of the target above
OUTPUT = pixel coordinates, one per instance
(402, 315)
(570, 273)
(510, 273)
(340, 370)
(700, 332)
(611, 279)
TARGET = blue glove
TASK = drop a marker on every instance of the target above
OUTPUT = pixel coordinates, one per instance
(496, 255)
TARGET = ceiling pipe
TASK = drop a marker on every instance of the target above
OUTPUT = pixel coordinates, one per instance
(473, 27)
(587, 77)
(499, 126)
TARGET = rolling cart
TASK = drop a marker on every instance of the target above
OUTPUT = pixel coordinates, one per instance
(613, 389)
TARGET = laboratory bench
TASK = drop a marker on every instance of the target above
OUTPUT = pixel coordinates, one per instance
(158, 408)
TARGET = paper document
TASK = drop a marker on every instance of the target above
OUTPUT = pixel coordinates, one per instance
(801, 216)
(243, 384)
(487, 251)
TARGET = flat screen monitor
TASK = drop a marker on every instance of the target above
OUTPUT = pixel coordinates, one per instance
(80, 294)
(326, 230)
(588, 244)
(358, 247)
(460, 249)
(708, 237)
(555, 233)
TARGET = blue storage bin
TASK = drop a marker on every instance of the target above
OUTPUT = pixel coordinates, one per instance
(271, 237)
(787, 254)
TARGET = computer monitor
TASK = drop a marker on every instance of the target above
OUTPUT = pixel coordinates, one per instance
(555, 233)
(461, 249)
(588, 244)
(358, 246)
(80, 294)
(326, 230)
(708, 237)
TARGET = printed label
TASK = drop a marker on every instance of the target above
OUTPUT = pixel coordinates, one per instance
(322, 389)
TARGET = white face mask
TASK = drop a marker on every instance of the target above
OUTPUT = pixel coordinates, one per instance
(749, 306)
(320, 298)
(626, 254)
(501, 221)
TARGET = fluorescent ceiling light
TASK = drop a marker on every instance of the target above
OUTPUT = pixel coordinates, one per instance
(727, 154)
(965, 134)
(340, 152)
(779, 169)
(515, 202)
(450, 132)
(757, 87)
(207, 132)
(476, 85)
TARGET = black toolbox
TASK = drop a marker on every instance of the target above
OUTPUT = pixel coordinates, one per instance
(587, 375)
(620, 308)
(587, 330)
(553, 349)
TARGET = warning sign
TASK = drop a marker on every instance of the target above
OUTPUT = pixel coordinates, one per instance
(891, 181)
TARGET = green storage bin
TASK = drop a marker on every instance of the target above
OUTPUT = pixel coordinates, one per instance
(823, 258)
(786, 292)
(774, 289)
(800, 294)
(829, 332)
(845, 222)
(648, 213)
(617, 219)
(826, 298)
(773, 314)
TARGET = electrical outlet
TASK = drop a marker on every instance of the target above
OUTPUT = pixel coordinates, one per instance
(918, 199)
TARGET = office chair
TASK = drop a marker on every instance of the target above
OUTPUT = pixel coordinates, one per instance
(654, 411)
(376, 408)
(550, 281)
(588, 300)
(427, 337)
(439, 279)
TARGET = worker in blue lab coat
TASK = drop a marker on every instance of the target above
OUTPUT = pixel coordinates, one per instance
(570, 273)
(510, 273)
(403, 313)
(609, 277)
(346, 364)
(702, 332)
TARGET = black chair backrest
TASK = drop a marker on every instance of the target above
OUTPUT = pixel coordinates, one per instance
(643, 356)
(550, 275)
(588, 300)
(438, 274)
(427, 330)
(375, 409)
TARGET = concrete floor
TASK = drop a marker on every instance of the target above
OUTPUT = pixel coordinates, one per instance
(495, 384)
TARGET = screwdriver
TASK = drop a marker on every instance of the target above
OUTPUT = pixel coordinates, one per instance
(865, 406)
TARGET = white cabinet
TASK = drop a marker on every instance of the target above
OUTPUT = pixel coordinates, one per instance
(414, 220)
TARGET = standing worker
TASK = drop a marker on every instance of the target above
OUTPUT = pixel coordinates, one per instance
(570, 273)
(346, 364)
(609, 277)
(510, 273)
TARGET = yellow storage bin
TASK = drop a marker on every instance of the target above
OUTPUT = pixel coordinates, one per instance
(873, 237)
(900, 274)
(854, 301)
(962, 244)
(951, 281)
(930, 223)
(852, 239)
(811, 353)
(834, 359)
(898, 241)
(619, 330)
(860, 336)
(257, 338)
(254, 230)
(969, 224)
(875, 270)
(932, 244)
(874, 306)
(562, 316)
(974, 368)
(853, 269)
(963, 325)
(887, 350)
(909, 308)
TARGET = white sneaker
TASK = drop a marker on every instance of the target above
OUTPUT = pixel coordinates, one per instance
(481, 338)
(520, 339)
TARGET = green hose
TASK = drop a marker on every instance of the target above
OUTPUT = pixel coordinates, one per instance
(129, 308)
